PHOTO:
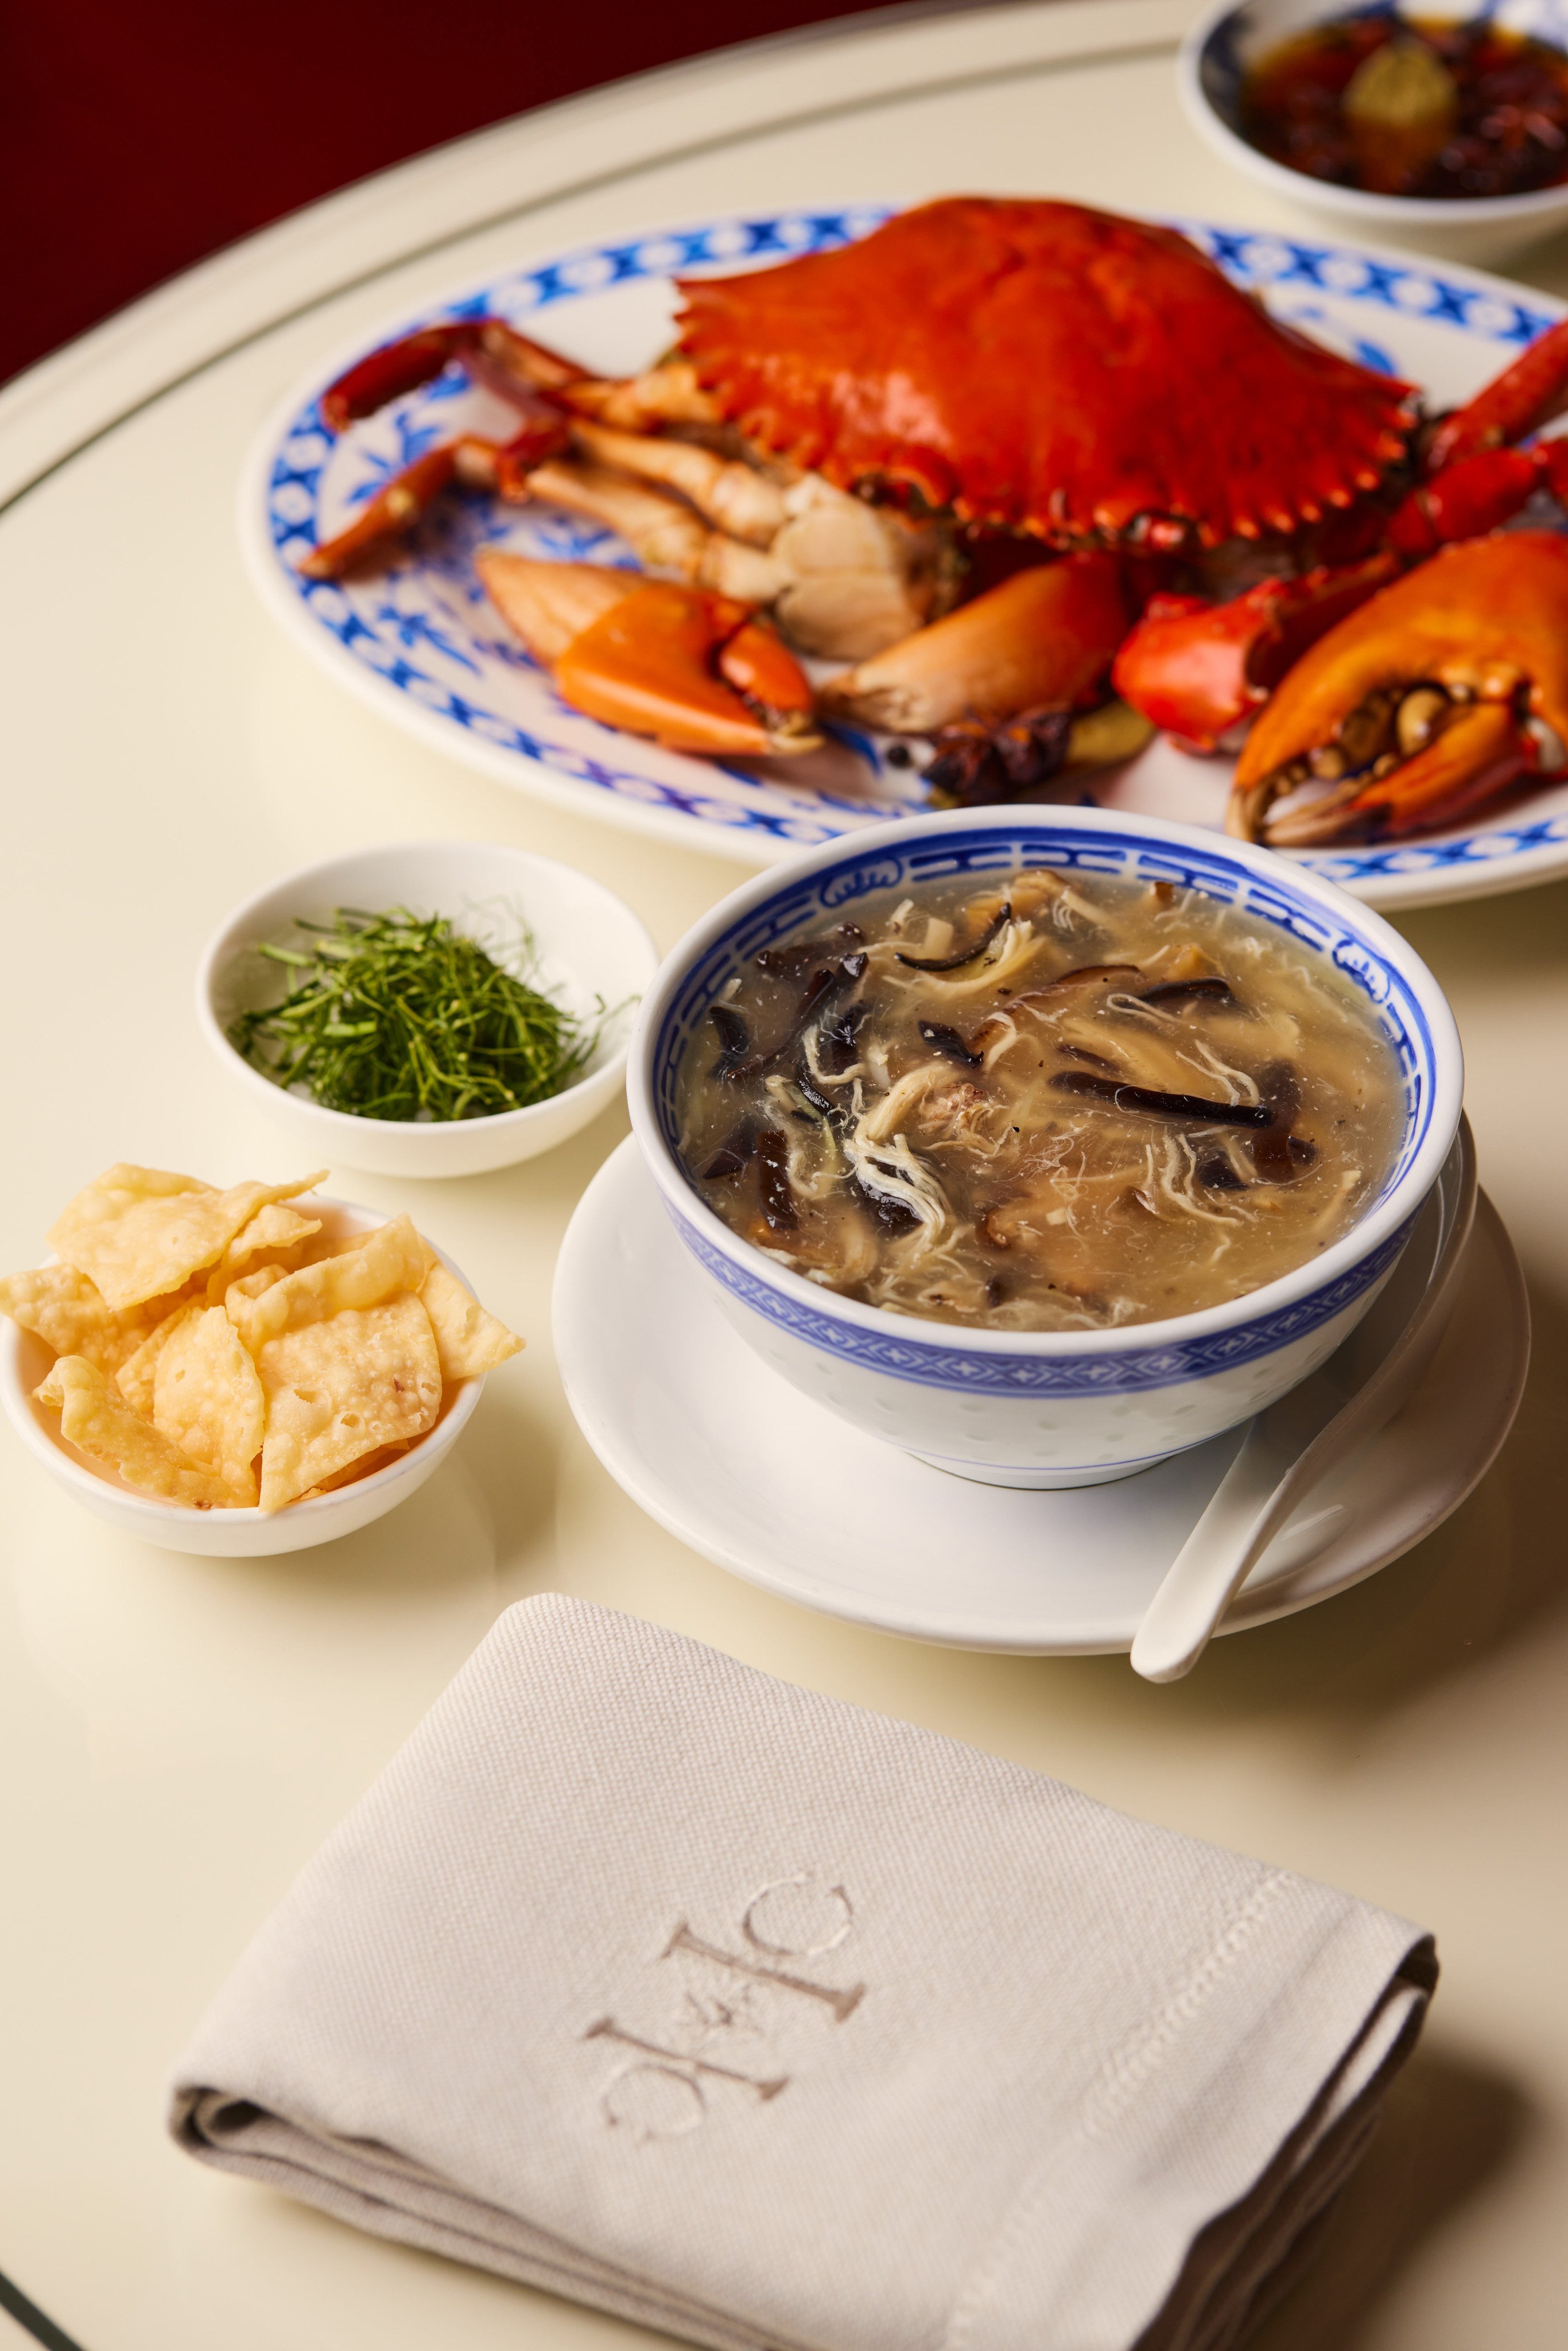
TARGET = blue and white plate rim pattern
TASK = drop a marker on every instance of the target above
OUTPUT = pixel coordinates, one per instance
(717, 806)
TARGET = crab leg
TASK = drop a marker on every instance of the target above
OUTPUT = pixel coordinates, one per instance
(696, 671)
(1198, 669)
(1475, 494)
(1520, 400)
(492, 350)
(1389, 709)
(735, 497)
(1043, 639)
(662, 531)
(505, 468)
(668, 394)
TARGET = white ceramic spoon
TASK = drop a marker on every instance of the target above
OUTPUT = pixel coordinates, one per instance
(1293, 1445)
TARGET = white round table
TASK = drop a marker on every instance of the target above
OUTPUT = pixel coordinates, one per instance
(179, 1734)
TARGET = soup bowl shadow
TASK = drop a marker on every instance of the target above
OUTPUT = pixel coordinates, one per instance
(1049, 1408)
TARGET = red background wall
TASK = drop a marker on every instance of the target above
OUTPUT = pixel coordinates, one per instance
(137, 136)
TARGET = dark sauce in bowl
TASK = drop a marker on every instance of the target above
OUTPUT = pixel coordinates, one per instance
(1458, 111)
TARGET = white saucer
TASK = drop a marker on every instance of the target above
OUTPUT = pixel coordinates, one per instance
(735, 1462)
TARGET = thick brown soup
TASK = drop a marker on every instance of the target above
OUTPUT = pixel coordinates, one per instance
(1046, 1101)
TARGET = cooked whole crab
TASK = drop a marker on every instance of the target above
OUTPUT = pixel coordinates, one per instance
(835, 436)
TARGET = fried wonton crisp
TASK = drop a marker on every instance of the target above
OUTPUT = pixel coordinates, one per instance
(391, 1259)
(341, 1387)
(207, 1398)
(138, 1232)
(95, 1417)
(226, 1350)
(276, 1234)
(139, 1372)
(470, 1342)
(68, 1312)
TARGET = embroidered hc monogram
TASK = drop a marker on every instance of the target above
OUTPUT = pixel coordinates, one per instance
(661, 2093)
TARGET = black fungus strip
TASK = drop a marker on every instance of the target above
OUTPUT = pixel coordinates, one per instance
(734, 1154)
(1190, 991)
(735, 1040)
(1216, 1174)
(947, 1041)
(891, 1215)
(965, 955)
(812, 1093)
(773, 1191)
(829, 979)
(1161, 1105)
(1271, 1156)
(1274, 1153)
(790, 962)
(1280, 1086)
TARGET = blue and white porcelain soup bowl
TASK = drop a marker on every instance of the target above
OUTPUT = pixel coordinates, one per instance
(1048, 1407)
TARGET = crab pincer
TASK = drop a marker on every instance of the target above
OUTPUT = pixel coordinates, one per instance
(1441, 690)
(1196, 669)
(697, 672)
(1043, 639)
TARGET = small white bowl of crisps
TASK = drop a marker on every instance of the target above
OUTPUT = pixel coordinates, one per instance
(239, 1373)
(428, 1009)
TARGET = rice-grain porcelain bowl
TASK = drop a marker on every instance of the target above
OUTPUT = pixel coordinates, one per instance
(1049, 1408)
(1229, 39)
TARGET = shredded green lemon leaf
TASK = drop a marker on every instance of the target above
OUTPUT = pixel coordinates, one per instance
(403, 1015)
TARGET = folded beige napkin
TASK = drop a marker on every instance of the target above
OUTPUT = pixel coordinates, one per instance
(736, 2011)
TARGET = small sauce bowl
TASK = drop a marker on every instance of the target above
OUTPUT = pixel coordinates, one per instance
(1226, 44)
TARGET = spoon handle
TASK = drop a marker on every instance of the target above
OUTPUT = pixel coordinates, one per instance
(1273, 1469)
(1211, 1565)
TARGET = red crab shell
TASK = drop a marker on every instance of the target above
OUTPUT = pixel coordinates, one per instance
(1047, 369)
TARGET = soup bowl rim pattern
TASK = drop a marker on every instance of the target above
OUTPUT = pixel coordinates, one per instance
(1018, 1363)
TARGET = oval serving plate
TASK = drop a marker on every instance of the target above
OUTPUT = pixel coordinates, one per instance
(420, 642)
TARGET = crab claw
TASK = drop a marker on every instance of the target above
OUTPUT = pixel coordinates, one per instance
(696, 671)
(1043, 639)
(1446, 686)
(1482, 750)
(1197, 669)
(495, 351)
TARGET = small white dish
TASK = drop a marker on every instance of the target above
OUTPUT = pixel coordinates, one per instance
(1229, 41)
(592, 949)
(735, 1462)
(25, 1361)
